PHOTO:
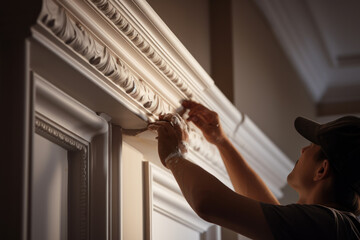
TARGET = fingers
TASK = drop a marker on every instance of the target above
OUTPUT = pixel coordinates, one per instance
(189, 104)
(179, 125)
(171, 124)
(209, 118)
(206, 113)
(173, 119)
(158, 124)
(198, 120)
(165, 117)
(197, 108)
(162, 128)
(194, 107)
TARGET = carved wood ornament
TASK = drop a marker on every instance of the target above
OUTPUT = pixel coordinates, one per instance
(113, 15)
(57, 20)
(129, 22)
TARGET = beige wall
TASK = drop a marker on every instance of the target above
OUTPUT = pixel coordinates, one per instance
(132, 193)
(266, 86)
(189, 21)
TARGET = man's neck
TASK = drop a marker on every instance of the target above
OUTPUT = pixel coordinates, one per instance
(319, 196)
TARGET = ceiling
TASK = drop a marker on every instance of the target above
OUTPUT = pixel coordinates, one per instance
(322, 39)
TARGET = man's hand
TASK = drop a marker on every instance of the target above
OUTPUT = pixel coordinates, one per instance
(172, 136)
(206, 120)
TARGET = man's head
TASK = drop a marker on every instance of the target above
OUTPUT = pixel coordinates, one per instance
(337, 145)
(309, 169)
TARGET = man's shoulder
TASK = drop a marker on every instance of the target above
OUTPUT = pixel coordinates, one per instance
(301, 218)
(302, 211)
(311, 210)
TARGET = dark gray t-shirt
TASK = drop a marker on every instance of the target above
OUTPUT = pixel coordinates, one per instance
(302, 221)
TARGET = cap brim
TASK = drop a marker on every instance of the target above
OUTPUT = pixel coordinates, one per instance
(307, 128)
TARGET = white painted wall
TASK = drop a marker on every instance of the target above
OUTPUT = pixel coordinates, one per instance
(49, 191)
(165, 228)
(132, 193)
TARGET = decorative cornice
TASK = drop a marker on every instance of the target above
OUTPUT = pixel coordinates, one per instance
(114, 16)
(63, 23)
(83, 43)
(70, 32)
(47, 130)
(208, 151)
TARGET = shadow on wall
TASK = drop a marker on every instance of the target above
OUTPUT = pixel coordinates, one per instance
(290, 195)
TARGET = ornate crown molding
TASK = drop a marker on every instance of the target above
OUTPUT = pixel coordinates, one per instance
(88, 28)
(114, 16)
(76, 37)
(207, 151)
(71, 33)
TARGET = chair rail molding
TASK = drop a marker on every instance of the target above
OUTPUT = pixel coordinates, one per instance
(137, 58)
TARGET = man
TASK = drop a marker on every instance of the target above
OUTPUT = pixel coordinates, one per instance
(326, 177)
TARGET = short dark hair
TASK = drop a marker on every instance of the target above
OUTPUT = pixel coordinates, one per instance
(345, 196)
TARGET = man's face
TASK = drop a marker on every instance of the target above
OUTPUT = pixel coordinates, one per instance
(301, 177)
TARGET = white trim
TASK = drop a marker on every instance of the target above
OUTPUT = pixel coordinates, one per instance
(164, 197)
(54, 104)
(72, 124)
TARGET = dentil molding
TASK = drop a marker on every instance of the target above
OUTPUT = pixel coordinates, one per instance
(109, 10)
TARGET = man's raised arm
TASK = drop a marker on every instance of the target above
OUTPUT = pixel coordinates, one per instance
(244, 179)
(209, 198)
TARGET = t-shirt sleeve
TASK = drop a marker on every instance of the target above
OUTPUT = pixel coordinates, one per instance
(297, 221)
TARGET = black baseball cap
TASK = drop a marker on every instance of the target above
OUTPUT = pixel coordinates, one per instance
(340, 142)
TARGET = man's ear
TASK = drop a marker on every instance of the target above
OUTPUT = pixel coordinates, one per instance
(323, 170)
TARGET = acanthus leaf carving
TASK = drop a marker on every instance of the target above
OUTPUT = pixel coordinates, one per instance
(200, 145)
(99, 56)
(108, 9)
(72, 34)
